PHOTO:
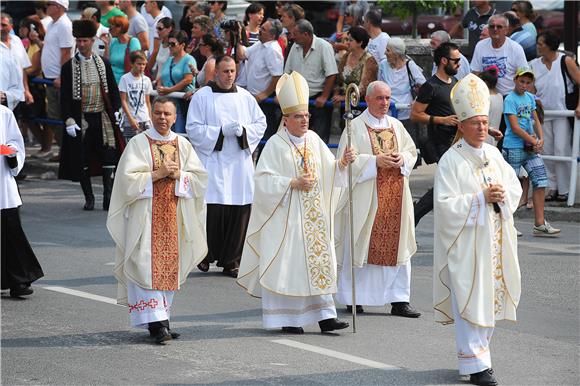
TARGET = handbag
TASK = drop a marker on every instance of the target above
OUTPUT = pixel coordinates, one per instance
(571, 95)
(412, 82)
(127, 60)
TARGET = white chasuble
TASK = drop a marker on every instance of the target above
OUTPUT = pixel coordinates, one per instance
(289, 244)
(365, 195)
(475, 251)
(227, 159)
(131, 213)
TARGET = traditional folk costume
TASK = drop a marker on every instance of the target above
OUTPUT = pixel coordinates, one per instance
(476, 275)
(19, 264)
(89, 97)
(288, 258)
(384, 231)
(226, 153)
(158, 227)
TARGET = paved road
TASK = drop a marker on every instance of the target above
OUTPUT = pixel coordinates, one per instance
(59, 336)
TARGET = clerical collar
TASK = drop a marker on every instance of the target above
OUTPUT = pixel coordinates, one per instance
(478, 152)
(215, 88)
(296, 140)
(375, 123)
(154, 134)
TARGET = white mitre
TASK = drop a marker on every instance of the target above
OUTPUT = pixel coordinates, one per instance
(292, 91)
(470, 97)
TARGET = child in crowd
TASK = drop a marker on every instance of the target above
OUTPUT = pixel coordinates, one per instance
(522, 143)
(135, 89)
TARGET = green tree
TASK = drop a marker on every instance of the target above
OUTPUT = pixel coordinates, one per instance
(404, 9)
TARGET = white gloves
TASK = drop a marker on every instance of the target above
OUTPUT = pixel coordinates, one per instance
(72, 130)
(232, 128)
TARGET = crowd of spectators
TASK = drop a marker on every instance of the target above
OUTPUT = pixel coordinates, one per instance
(180, 54)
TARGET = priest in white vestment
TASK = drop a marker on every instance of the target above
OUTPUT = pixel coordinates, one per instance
(19, 264)
(288, 258)
(476, 274)
(384, 231)
(225, 125)
(157, 220)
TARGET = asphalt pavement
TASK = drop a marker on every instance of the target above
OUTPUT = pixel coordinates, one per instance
(71, 332)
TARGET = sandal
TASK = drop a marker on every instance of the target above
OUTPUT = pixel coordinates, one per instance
(530, 205)
(551, 196)
(203, 266)
(562, 197)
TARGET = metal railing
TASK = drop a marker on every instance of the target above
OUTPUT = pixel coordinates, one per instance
(573, 159)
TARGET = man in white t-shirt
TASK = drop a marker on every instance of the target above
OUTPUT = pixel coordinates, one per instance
(264, 66)
(501, 51)
(152, 13)
(138, 26)
(378, 39)
(58, 49)
(94, 14)
(11, 45)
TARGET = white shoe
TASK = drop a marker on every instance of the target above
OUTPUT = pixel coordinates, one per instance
(545, 230)
(518, 233)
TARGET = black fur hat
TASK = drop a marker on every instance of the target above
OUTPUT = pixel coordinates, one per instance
(84, 29)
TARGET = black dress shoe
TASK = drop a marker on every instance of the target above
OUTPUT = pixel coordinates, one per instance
(293, 330)
(405, 310)
(174, 335)
(162, 335)
(21, 290)
(359, 309)
(231, 272)
(332, 324)
(483, 378)
(89, 203)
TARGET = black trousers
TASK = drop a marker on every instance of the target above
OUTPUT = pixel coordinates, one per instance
(320, 120)
(226, 233)
(19, 263)
(93, 143)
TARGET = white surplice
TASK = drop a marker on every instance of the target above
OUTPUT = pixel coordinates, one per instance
(375, 285)
(10, 136)
(230, 170)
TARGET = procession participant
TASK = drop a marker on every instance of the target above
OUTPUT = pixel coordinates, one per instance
(288, 257)
(476, 274)
(19, 264)
(383, 221)
(225, 125)
(157, 220)
(89, 97)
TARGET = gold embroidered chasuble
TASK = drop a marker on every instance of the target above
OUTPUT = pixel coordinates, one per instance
(159, 237)
(384, 226)
(475, 251)
(289, 243)
(164, 243)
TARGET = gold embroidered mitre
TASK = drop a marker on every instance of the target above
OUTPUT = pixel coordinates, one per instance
(292, 91)
(470, 97)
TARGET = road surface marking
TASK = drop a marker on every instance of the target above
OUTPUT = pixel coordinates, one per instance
(336, 354)
(113, 263)
(81, 294)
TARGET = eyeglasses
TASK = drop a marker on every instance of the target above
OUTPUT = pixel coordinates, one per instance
(160, 28)
(173, 44)
(300, 116)
(454, 60)
(202, 44)
(496, 26)
(5, 25)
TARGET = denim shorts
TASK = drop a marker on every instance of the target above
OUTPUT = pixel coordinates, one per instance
(532, 163)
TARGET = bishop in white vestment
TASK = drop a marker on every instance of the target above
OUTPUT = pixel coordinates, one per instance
(384, 232)
(157, 220)
(476, 274)
(225, 125)
(288, 258)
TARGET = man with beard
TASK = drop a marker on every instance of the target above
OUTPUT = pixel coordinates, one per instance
(433, 108)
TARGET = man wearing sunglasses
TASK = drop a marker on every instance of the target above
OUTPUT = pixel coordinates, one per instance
(498, 50)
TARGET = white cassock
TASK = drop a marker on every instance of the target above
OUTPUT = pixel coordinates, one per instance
(231, 169)
(288, 257)
(376, 285)
(476, 274)
(10, 136)
(147, 275)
